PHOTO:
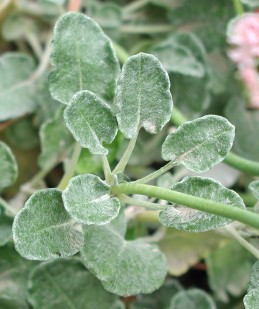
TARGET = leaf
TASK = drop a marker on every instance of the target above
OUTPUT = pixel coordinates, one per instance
(67, 284)
(182, 53)
(14, 273)
(195, 101)
(43, 230)
(143, 96)
(183, 250)
(184, 218)
(251, 299)
(200, 144)
(192, 299)
(82, 59)
(124, 267)
(5, 227)
(90, 121)
(16, 91)
(9, 169)
(55, 141)
(228, 270)
(246, 121)
(87, 200)
(254, 188)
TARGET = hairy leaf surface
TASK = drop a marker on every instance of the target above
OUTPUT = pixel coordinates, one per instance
(43, 229)
(83, 59)
(87, 200)
(184, 218)
(91, 122)
(254, 188)
(143, 97)
(200, 144)
(124, 267)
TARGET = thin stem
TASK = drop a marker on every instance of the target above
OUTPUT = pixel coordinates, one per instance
(238, 7)
(134, 6)
(157, 173)
(135, 202)
(216, 208)
(41, 174)
(44, 61)
(107, 170)
(120, 167)
(242, 241)
(71, 168)
(7, 207)
(35, 44)
(244, 165)
(139, 29)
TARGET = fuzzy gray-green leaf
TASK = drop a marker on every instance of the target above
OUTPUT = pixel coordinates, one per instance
(17, 95)
(143, 96)
(192, 299)
(83, 59)
(184, 218)
(124, 267)
(254, 188)
(200, 144)
(43, 229)
(251, 299)
(67, 284)
(91, 122)
(87, 200)
(8, 169)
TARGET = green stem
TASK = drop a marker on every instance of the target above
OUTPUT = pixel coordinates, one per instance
(216, 208)
(7, 207)
(135, 202)
(157, 173)
(120, 167)
(242, 241)
(247, 166)
(120, 52)
(244, 165)
(71, 167)
(139, 29)
(107, 170)
(238, 7)
(134, 6)
(34, 43)
(41, 174)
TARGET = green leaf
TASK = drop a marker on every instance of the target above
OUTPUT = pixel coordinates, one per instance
(192, 299)
(91, 122)
(55, 141)
(183, 250)
(254, 280)
(5, 227)
(67, 284)
(184, 218)
(14, 272)
(83, 59)
(228, 270)
(251, 300)
(87, 200)
(16, 91)
(143, 97)
(8, 171)
(43, 229)
(200, 144)
(246, 142)
(124, 267)
(254, 188)
(182, 53)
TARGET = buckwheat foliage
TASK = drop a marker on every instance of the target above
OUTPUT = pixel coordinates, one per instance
(143, 97)
(8, 170)
(200, 144)
(91, 122)
(43, 229)
(82, 59)
(184, 218)
(251, 299)
(124, 267)
(254, 188)
(87, 200)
